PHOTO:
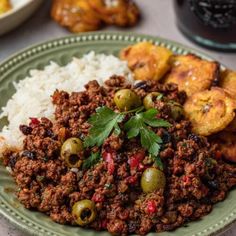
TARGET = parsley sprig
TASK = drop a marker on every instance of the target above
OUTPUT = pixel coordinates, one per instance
(138, 125)
(105, 121)
(91, 161)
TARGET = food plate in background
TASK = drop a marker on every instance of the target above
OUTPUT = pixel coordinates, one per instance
(21, 10)
(61, 51)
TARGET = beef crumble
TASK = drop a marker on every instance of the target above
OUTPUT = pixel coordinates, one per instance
(195, 177)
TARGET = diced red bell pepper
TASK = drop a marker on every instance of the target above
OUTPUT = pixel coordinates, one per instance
(34, 122)
(132, 179)
(186, 180)
(111, 167)
(136, 159)
(151, 207)
(108, 157)
(104, 224)
(141, 167)
(98, 198)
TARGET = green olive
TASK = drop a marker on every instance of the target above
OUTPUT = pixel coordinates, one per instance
(126, 100)
(177, 110)
(70, 151)
(84, 212)
(150, 99)
(152, 179)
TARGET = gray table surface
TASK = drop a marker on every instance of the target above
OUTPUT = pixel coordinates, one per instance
(158, 19)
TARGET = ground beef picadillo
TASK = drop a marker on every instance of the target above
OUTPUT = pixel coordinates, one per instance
(46, 184)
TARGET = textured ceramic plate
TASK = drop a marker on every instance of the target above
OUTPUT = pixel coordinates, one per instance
(21, 10)
(61, 51)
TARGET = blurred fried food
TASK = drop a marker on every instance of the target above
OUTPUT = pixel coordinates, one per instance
(228, 82)
(226, 143)
(90, 15)
(210, 111)
(192, 74)
(77, 15)
(5, 6)
(147, 61)
(116, 12)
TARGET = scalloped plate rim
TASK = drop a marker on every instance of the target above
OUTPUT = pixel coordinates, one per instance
(161, 39)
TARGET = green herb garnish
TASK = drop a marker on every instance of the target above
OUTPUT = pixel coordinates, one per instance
(138, 125)
(103, 123)
(160, 96)
(108, 186)
(91, 161)
(106, 121)
(158, 162)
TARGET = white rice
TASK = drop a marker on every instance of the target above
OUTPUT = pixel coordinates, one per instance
(32, 97)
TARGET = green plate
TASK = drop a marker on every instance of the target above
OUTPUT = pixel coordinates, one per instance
(61, 51)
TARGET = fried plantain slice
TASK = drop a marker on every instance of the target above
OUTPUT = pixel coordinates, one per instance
(5, 6)
(192, 74)
(116, 12)
(210, 111)
(228, 82)
(226, 143)
(76, 15)
(147, 61)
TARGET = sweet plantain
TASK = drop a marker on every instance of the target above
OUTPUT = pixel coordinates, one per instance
(147, 61)
(228, 82)
(210, 111)
(192, 74)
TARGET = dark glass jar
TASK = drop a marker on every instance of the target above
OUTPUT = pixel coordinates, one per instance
(211, 23)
